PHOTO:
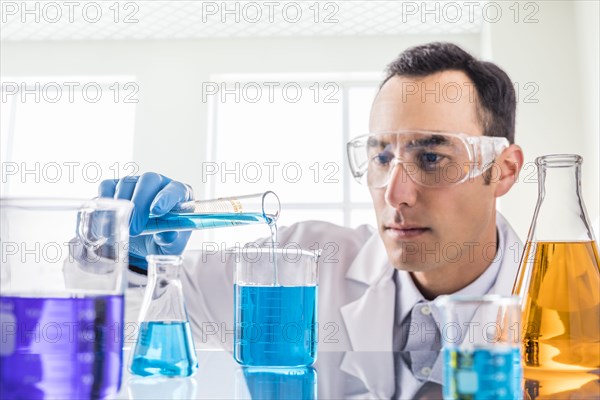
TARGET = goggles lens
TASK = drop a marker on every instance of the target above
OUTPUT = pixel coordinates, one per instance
(429, 158)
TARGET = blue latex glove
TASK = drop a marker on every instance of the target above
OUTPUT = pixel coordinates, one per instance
(151, 193)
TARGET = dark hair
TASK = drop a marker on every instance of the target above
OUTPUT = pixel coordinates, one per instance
(496, 100)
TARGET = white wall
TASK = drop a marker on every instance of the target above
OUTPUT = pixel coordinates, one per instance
(588, 48)
(171, 119)
(558, 54)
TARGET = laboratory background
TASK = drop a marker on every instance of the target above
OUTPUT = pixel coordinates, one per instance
(236, 98)
(243, 97)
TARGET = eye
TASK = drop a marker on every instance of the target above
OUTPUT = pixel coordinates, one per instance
(430, 161)
(431, 157)
(383, 158)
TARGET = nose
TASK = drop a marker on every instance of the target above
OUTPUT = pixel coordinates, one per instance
(401, 189)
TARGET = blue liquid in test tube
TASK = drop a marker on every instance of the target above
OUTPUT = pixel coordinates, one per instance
(188, 222)
(224, 212)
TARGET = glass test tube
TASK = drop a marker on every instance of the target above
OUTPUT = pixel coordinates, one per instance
(216, 213)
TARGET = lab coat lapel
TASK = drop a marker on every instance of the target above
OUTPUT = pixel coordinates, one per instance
(509, 264)
(369, 319)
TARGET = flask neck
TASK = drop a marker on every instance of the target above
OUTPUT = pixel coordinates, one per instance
(560, 214)
(164, 294)
(166, 267)
(164, 271)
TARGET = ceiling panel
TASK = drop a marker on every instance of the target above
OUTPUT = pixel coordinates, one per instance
(111, 20)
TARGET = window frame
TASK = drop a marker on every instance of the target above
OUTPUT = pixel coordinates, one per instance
(105, 83)
(345, 81)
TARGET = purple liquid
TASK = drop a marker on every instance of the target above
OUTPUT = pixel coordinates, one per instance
(68, 348)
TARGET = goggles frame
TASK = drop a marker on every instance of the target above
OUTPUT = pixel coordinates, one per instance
(481, 150)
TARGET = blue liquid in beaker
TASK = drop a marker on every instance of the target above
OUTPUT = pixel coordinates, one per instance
(67, 348)
(484, 373)
(182, 222)
(275, 325)
(165, 349)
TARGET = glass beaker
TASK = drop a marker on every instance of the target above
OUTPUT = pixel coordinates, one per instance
(61, 297)
(559, 280)
(482, 357)
(217, 213)
(165, 346)
(275, 307)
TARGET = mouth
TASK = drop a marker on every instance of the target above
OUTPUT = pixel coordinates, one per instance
(405, 231)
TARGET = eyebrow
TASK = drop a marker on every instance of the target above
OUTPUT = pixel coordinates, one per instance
(372, 142)
(433, 140)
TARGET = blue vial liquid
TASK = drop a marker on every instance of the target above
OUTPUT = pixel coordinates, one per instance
(275, 326)
(61, 348)
(187, 222)
(484, 373)
(164, 349)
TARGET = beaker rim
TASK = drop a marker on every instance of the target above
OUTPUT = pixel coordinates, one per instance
(271, 250)
(63, 203)
(498, 299)
(559, 160)
(164, 258)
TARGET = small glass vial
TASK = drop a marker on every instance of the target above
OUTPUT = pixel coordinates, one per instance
(165, 346)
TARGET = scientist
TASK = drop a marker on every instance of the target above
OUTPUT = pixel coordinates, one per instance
(440, 151)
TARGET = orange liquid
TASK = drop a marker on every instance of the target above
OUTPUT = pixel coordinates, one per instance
(561, 314)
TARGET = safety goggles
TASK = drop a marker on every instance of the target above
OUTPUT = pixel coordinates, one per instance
(429, 158)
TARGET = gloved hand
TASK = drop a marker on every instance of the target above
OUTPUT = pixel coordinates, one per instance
(151, 193)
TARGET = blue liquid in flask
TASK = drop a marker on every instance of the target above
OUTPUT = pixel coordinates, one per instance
(61, 347)
(483, 373)
(188, 221)
(275, 325)
(165, 349)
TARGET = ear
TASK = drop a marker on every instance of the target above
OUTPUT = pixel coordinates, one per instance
(509, 164)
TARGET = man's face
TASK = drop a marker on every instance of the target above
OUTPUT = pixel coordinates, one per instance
(424, 228)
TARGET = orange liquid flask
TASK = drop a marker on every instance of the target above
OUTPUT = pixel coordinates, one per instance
(559, 285)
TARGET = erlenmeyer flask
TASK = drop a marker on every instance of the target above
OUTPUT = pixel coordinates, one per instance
(559, 279)
(164, 346)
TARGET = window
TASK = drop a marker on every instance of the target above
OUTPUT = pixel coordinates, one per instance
(289, 135)
(62, 136)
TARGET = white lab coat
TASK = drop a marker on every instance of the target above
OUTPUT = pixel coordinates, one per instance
(356, 298)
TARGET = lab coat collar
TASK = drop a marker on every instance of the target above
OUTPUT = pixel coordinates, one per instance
(509, 252)
(408, 295)
(369, 319)
(370, 263)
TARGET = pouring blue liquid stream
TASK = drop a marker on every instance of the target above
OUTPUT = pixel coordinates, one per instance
(259, 208)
